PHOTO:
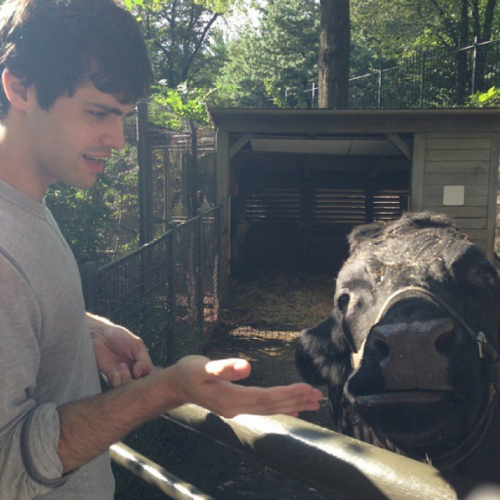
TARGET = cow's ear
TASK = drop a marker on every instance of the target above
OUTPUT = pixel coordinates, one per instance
(319, 356)
(363, 233)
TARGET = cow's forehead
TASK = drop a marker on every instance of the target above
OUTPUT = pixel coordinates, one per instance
(411, 256)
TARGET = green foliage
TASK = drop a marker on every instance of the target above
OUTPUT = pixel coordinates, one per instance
(219, 6)
(84, 218)
(393, 29)
(178, 34)
(102, 223)
(171, 108)
(489, 99)
(278, 55)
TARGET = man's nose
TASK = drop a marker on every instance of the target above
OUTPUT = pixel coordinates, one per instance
(114, 136)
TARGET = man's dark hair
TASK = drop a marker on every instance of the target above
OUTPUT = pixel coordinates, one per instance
(57, 45)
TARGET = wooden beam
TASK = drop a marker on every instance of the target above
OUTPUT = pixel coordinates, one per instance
(418, 173)
(492, 197)
(240, 143)
(222, 175)
(400, 144)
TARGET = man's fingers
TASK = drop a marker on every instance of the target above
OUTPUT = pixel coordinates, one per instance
(270, 401)
(120, 376)
(141, 369)
(228, 369)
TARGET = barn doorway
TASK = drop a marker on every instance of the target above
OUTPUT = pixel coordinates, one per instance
(295, 201)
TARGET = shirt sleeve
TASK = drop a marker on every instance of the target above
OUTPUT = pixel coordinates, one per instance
(29, 432)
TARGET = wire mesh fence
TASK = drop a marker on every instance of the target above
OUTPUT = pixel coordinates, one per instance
(165, 291)
(426, 80)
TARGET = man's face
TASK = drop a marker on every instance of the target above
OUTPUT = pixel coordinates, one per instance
(70, 141)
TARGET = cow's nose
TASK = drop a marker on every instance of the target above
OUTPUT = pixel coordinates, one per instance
(412, 355)
(407, 340)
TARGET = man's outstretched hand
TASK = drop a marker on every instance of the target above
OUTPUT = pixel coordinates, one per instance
(196, 379)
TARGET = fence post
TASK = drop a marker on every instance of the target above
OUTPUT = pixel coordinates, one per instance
(201, 274)
(145, 168)
(166, 186)
(215, 277)
(313, 94)
(90, 286)
(379, 97)
(173, 292)
(474, 61)
(422, 79)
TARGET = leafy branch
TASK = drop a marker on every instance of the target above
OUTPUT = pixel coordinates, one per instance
(175, 106)
(488, 99)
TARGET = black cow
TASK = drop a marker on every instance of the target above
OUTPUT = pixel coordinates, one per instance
(409, 350)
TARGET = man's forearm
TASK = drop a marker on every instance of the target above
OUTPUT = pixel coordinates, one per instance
(90, 426)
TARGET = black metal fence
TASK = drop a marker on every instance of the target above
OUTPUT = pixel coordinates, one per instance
(426, 80)
(165, 291)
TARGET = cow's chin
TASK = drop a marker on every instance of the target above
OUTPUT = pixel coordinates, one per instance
(423, 421)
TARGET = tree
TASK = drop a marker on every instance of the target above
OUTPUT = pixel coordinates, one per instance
(274, 59)
(177, 33)
(335, 46)
(397, 28)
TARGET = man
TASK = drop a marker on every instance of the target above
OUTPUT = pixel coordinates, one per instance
(71, 71)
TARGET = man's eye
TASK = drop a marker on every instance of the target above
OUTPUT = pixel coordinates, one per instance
(100, 115)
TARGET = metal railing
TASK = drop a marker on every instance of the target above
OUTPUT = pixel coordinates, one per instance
(165, 291)
(340, 467)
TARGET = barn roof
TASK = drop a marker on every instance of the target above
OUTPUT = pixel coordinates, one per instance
(317, 122)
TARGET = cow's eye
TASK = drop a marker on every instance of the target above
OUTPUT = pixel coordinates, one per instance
(487, 275)
(343, 301)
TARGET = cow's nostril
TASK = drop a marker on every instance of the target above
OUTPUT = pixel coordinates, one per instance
(381, 348)
(445, 341)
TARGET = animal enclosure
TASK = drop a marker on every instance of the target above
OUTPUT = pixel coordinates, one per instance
(293, 183)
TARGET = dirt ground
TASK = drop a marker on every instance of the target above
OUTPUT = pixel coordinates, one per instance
(262, 326)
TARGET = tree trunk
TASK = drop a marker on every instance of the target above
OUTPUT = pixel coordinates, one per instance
(484, 36)
(463, 39)
(334, 52)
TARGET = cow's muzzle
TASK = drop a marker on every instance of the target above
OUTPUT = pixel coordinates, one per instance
(437, 336)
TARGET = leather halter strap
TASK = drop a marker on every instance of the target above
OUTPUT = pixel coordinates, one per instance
(417, 291)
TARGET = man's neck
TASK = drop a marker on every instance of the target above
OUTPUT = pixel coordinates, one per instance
(15, 166)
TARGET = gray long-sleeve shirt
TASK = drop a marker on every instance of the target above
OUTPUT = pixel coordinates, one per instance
(46, 356)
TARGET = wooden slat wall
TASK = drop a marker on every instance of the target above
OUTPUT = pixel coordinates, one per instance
(465, 160)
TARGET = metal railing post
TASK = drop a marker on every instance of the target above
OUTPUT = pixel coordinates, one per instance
(154, 474)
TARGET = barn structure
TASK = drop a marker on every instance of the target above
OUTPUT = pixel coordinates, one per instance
(293, 183)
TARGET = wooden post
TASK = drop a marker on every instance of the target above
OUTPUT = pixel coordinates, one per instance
(492, 197)
(222, 144)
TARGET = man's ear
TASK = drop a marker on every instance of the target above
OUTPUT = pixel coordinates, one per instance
(15, 90)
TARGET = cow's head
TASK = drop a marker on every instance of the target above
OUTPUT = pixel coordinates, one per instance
(410, 303)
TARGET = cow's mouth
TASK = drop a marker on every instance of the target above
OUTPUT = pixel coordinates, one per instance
(402, 397)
